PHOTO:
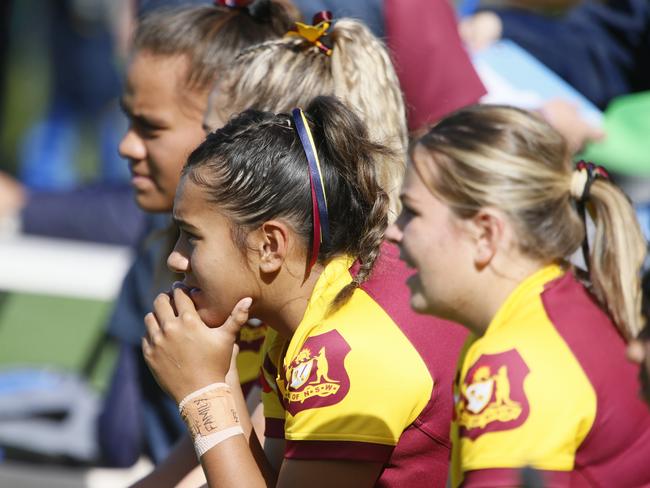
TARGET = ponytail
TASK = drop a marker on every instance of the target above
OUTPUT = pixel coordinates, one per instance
(281, 74)
(617, 254)
(334, 126)
(253, 185)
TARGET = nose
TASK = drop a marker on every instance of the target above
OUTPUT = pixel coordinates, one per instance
(132, 146)
(394, 234)
(178, 263)
(178, 260)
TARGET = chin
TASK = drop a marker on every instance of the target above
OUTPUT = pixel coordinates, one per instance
(153, 203)
(212, 317)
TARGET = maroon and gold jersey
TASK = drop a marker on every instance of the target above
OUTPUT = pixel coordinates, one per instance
(548, 386)
(371, 381)
(249, 360)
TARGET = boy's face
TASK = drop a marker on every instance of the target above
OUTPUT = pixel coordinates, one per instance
(165, 127)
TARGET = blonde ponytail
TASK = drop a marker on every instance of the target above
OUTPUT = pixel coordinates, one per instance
(281, 74)
(617, 254)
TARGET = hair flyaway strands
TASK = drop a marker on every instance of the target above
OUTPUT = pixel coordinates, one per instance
(320, 216)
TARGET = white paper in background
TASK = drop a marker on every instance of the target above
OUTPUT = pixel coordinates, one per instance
(512, 76)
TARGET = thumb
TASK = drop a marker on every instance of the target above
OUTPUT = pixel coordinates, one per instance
(238, 317)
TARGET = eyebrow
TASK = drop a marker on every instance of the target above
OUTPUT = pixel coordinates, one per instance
(143, 119)
(183, 223)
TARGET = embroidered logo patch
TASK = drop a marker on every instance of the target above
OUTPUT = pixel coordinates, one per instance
(316, 376)
(491, 397)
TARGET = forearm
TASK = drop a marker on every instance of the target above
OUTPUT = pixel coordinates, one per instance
(263, 465)
(231, 463)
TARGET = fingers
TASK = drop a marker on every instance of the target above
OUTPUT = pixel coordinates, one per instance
(238, 316)
(152, 332)
(182, 301)
(163, 309)
(481, 30)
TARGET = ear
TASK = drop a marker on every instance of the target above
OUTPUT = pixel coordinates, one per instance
(273, 245)
(489, 229)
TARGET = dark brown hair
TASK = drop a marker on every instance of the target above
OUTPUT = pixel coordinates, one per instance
(255, 169)
(211, 36)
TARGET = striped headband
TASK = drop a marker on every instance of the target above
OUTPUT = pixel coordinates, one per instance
(320, 215)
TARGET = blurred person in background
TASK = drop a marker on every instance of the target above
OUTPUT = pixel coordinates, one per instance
(86, 44)
(175, 58)
(599, 47)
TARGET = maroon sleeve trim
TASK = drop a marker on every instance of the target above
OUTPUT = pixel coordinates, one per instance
(338, 450)
(507, 477)
(274, 428)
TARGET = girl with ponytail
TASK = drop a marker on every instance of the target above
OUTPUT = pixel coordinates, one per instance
(493, 210)
(283, 215)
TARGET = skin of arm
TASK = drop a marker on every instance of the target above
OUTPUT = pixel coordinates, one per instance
(186, 355)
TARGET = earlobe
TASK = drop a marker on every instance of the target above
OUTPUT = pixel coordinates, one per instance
(273, 245)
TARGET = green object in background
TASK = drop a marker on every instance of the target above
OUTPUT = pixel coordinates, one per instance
(37, 330)
(626, 149)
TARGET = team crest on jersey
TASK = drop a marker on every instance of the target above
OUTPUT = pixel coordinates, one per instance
(316, 376)
(491, 397)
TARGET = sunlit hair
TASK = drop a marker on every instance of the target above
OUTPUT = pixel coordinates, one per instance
(280, 74)
(254, 169)
(506, 158)
(210, 37)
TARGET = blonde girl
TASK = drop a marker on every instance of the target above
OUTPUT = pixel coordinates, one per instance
(493, 208)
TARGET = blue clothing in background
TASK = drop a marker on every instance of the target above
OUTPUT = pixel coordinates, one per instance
(100, 213)
(601, 49)
(155, 424)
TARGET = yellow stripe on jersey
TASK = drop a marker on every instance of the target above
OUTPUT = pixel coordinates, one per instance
(514, 407)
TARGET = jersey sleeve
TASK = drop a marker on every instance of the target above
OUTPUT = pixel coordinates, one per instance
(345, 392)
(515, 409)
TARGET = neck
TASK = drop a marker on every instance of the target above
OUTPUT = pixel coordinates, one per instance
(494, 286)
(283, 302)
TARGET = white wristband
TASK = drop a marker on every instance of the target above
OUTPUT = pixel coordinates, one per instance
(210, 415)
(204, 444)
